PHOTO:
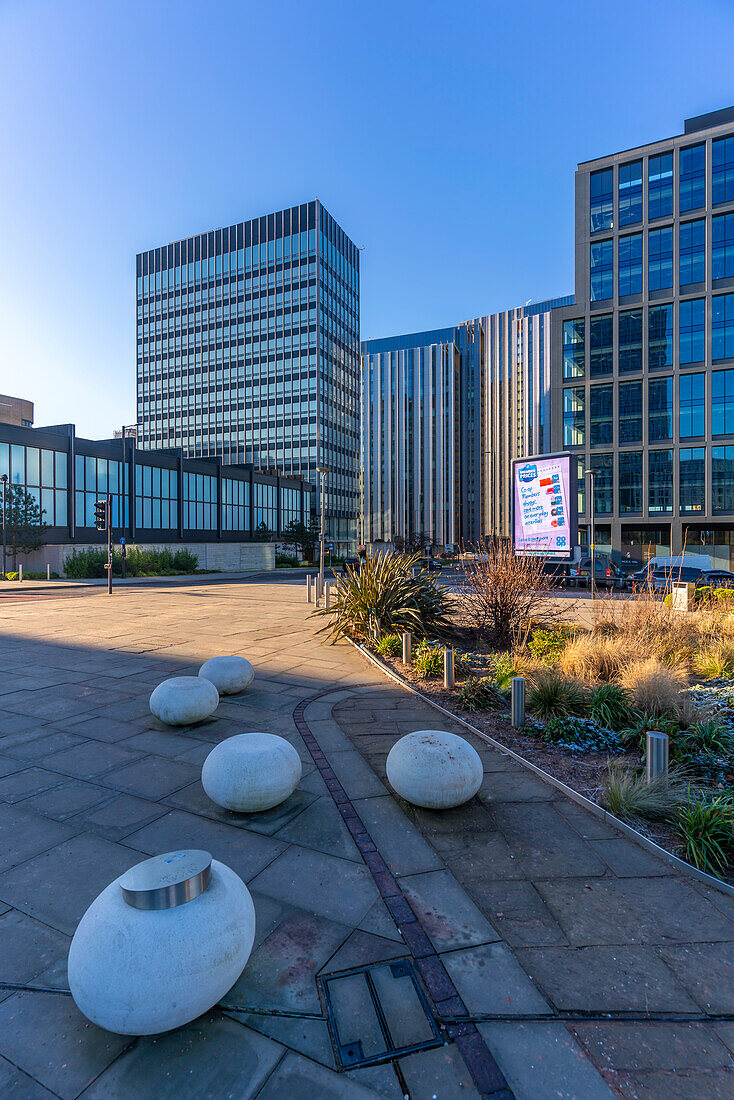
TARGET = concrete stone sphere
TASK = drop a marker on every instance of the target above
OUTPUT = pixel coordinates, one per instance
(251, 772)
(184, 700)
(434, 769)
(137, 972)
(228, 674)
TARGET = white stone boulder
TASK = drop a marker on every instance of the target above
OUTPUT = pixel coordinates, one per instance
(434, 769)
(251, 772)
(184, 700)
(137, 972)
(228, 674)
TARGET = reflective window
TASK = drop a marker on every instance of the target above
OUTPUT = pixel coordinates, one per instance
(722, 402)
(602, 199)
(722, 170)
(601, 345)
(630, 264)
(630, 193)
(581, 483)
(660, 258)
(630, 481)
(630, 412)
(630, 340)
(722, 246)
(660, 408)
(692, 413)
(692, 177)
(156, 497)
(722, 479)
(266, 506)
(235, 505)
(660, 186)
(692, 331)
(200, 502)
(290, 507)
(603, 467)
(95, 479)
(692, 465)
(692, 258)
(660, 481)
(722, 326)
(602, 270)
(574, 422)
(601, 415)
(573, 348)
(659, 337)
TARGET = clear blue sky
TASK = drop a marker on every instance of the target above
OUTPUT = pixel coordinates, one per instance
(442, 136)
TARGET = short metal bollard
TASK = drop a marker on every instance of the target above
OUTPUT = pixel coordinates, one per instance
(48, 572)
(327, 594)
(518, 701)
(407, 648)
(308, 588)
(448, 668)
(657, 754)
(20, 572)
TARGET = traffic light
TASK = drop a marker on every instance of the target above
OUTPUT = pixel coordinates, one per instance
(100, 515)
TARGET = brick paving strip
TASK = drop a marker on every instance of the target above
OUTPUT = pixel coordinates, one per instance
(478, 1059)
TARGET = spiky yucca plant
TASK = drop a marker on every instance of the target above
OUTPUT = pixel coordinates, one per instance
(384, 598)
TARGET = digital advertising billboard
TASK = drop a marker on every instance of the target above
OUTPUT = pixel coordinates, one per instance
(544, 513)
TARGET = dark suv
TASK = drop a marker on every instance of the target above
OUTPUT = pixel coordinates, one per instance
(606, 573)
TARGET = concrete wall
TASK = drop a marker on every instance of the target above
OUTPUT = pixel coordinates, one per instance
(228, 557)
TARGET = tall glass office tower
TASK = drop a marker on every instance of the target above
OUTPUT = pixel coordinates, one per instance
(248, 349)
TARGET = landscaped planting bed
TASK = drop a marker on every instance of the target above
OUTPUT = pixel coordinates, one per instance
(592, 692)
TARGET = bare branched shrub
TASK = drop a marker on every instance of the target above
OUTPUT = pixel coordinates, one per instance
(504, 594)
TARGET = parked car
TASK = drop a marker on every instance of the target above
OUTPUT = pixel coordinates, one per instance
(432, 565)
(351, 563)
(716, 578)
(606, 573)
(662, 580)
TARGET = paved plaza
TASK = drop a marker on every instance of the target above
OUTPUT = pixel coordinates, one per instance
(557, 958)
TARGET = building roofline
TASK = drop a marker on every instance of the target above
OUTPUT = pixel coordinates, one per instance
(695, 125)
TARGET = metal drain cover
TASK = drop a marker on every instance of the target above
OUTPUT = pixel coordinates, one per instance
(377, 1013)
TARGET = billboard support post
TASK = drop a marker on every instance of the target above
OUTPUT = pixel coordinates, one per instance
(592, 533)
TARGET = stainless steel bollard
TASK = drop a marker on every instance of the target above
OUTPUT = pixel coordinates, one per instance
(20, 572)
(48, 572)
(308, 588)
(407, 648)
(448, 668)
(518, 701)
(657, 754)
(327, 594)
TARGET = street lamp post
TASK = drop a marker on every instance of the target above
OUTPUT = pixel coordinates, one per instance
(323, 470)
(592, 550)
(4, 479)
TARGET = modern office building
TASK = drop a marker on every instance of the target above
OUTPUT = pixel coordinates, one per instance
(248, 350)
(444, 413)
(16, 410)
(643, 361)
(159, 497)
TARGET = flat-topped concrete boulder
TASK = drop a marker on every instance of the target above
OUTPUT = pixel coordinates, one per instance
(184, 700)
(144, 961)
(228, 674)
(251, 772)
(434, 769)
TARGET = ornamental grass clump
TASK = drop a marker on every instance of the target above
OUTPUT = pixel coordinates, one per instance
(551, 695)
(384, 598)
(428, 660)
(594, 658)
(654, 688)
(389, 645)
(478, 693)
(707, 828)
(610, 706)
(630, 797)
(715, 661)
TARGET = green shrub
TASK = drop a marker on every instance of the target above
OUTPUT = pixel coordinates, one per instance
(634, 736)
(286, 559)
(710, 769)
(706, 828)
(551, 695)
(390, 645)
(577, 735)
(629, 796)
(548, 645)
(501, 669)
(186, 561)
(428, 660)
(90, 563)
(478, 693)
(384, 598)
(609, 705)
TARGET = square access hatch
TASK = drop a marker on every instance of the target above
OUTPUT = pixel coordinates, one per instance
(377, 1013)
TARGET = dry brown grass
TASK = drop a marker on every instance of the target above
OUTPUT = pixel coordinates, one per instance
(595, 658)
(714, 660)
(650, 628)
(655, 687)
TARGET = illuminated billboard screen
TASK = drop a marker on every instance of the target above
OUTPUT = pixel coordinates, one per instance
(544, 505)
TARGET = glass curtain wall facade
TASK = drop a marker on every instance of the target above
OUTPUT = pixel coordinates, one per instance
(643, 364)
(248, 350)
